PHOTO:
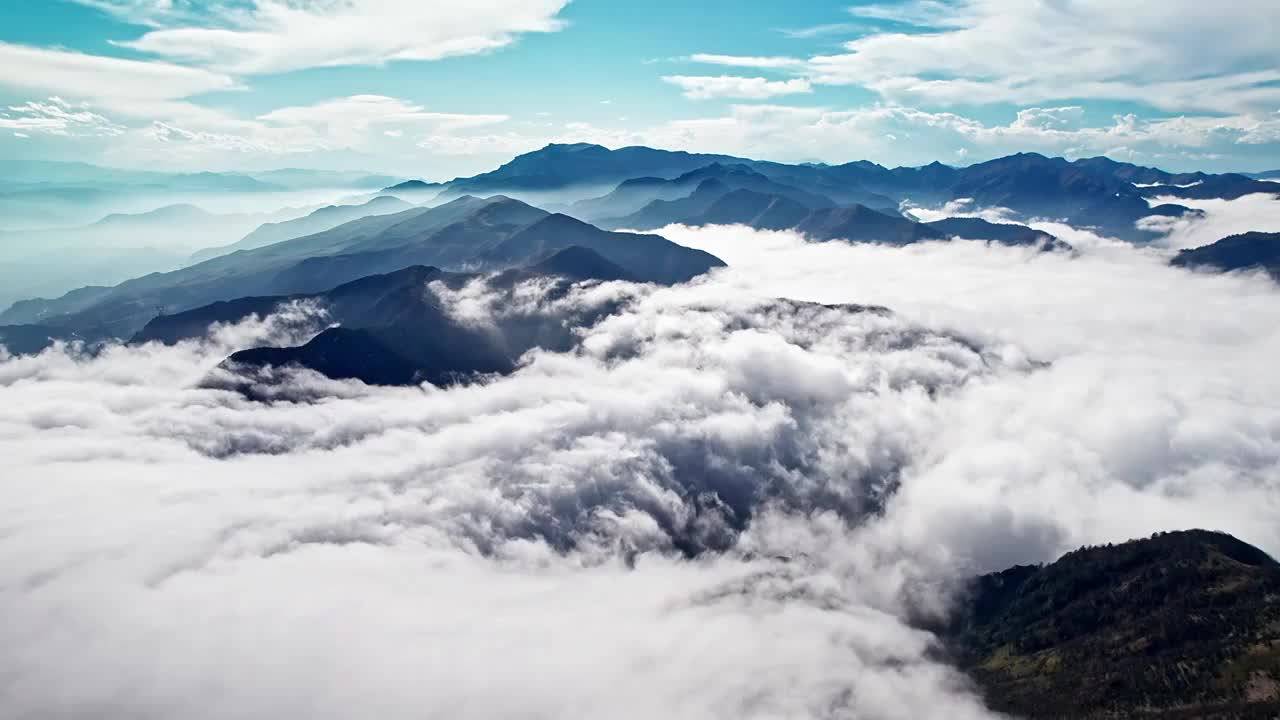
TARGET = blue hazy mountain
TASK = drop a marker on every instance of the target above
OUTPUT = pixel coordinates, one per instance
(1092, 192)
(393, 328)
(325, 218)
(635, 195)
(714, 203)
(1003, 233)
(467, 233)
(35, 263)
(1247, 251)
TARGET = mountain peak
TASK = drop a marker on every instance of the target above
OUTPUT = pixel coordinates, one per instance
(571, 147)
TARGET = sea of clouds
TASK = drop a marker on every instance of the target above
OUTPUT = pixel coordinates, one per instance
(719, 503)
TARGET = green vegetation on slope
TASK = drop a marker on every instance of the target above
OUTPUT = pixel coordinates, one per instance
(1180, 625)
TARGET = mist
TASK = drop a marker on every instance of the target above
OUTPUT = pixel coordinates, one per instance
(723, 501)
(107, 240)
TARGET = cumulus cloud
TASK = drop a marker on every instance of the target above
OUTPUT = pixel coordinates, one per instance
(703, 87)
(716, 504)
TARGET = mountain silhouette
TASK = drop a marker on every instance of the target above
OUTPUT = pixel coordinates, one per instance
(1247, 251)
(468, 233)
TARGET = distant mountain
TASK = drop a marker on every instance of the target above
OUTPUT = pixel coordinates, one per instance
(764, 211)
(1137, 174)
(648, 258)
(417, 191)
(582, 166)
(1003, 233)
(42, 263)
(1248, 251)
(1092, 192)
(639, 203)
(325, 218)
(685, 210)
(466, 234)
(713, 203)
(303, 179)
(1227, 187)
(47, 172)
(52, 173)
(1180, 625)
(396, 329)
(413, 185)
(31, 339)
(862, 224)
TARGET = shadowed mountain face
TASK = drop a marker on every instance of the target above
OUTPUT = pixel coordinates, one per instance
(398, 328)
(466, 234)
(1248, 251)
(1003, 233)
(1181, 625)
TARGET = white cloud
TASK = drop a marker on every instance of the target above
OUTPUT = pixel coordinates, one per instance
(789, 133)
(56, 116)
(1219, 219)
(505, 548)
(1187, 56)
(813, 31)
(728, 86)
(129, 87)
(268, 36)
(748, 61)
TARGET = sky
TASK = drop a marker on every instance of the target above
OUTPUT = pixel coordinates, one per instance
(438, 89)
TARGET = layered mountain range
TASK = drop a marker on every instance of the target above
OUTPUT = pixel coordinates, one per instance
(1098, 192)
(609, 203)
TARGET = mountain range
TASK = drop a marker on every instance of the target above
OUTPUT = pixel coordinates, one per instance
(1100, 193)
(117, 247)
(636, 189)
(395, 329)
(468, 233)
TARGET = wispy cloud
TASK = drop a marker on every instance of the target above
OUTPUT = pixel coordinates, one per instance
(747, 61)
(268, 36)
(56, 116)
(814, 31)
(728, 86)
(125, 86)
(1189, 56)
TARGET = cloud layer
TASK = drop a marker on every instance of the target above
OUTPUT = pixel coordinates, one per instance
(719, 504)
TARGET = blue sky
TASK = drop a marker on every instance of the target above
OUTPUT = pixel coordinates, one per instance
(436, 89)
